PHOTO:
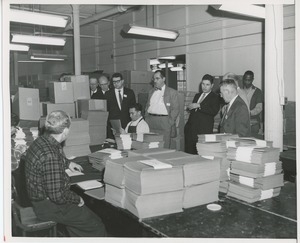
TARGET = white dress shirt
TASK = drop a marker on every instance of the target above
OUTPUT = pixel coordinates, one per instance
(117, 96)
(157, 104)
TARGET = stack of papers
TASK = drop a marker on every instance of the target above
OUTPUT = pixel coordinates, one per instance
(253, 154)
(249, 194)
(216, 149)
(147, 137)
(77, 176)
(144, 179)
(115, 180)
(146, 145)
(123, 141)
(216, 137)
(99, 158)
(88, 185)
(236, 142)
(151, 205)
(201, 179)
(224, 175)
(147, 152)
(169, 156)
(78, 141)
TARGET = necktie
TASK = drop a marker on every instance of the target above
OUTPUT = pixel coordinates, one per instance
(202, 98)
(225, 113)
(120, 98)
(157, 88)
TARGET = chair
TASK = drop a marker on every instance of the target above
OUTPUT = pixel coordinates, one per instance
(22, 212)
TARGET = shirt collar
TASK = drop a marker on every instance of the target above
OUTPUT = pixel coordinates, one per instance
(51, 139)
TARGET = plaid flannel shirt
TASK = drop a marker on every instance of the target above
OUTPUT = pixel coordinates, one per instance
(45, 172)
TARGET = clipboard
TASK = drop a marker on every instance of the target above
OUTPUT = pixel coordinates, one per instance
(116, 125)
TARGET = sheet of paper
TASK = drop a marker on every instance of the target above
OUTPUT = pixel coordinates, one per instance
(73, 173)
(156, 164)
(87, 185)
(116, 125)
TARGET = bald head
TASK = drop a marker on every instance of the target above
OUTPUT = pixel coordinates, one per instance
(104, 83)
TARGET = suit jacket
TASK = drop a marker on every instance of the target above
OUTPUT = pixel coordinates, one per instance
(201, 121)
(98, 95)
(237, 120)
(113, 107)
(171, 102)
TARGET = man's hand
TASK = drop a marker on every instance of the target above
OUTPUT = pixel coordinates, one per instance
(81, 203)
(194, 106)
(75, 167)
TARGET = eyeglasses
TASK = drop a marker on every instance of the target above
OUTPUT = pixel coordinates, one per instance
(117, 81)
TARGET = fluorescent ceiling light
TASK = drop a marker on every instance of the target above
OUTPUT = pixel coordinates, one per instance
(16, 47)
(167, 58)
(163, 65)
(243, 9)
(25, 61)
(37, 18)
(38, 40)
(176, 69)
(48, 57)
(151, 32)
(154, 62)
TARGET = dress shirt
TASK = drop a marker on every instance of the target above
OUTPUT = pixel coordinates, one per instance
(200, 98)
(93, 92)
(157, 104)
(117, 96)
(231, 102)
(45, 172)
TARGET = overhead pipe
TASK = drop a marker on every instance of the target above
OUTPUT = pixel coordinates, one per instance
(108, 13)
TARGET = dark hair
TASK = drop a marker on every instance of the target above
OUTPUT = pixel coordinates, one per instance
(230, 82)
(56, 122)
(162, 73)
(208, 77)
(137, 107)
(249, 73)
(117, 75)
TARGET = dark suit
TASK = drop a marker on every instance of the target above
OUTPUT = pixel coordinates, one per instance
(201, 121)
(113, 107)
(237, 120)
(164, 124)
(98, 94)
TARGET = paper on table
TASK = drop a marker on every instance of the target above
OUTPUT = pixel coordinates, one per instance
(156, 164)
(87, 185)
(73, 173)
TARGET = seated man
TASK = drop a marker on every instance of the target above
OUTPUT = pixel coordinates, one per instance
(48, 185)
(137, 124)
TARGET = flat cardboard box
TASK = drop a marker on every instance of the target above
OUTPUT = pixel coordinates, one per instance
(81, 87)
(91, 105)
(95, 117)
(67, 107)
(61, 92)
(26, 104)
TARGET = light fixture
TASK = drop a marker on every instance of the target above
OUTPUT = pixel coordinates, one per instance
(48, 57)
(37, 18)
(163, 65)
(243, 9)
(16, 47)
(26, 61)
(167, 58)
(177, 69)
(150, 32)
(38, 40)
(154, 62)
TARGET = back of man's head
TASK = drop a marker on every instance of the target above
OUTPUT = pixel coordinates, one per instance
(56, 122)
(232, 76)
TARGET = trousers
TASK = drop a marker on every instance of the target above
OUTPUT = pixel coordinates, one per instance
(79, 221)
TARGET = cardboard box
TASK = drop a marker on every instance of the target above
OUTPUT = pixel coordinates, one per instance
(68, 107)
(95, 117)
(91, 105)
(97, 134)
(26, 104)
(61, 92)
(81, 88)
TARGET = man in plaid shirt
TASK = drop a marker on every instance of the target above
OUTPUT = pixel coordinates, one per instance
(48, 185)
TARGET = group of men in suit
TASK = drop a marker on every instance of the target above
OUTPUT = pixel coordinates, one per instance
(162, 107)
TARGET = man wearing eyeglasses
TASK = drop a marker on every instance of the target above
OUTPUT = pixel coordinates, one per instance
(119, 100)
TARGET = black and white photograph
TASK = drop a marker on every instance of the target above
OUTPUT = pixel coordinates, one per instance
(149, 120)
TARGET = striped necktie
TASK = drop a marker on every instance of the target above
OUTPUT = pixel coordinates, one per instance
(120, 98)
